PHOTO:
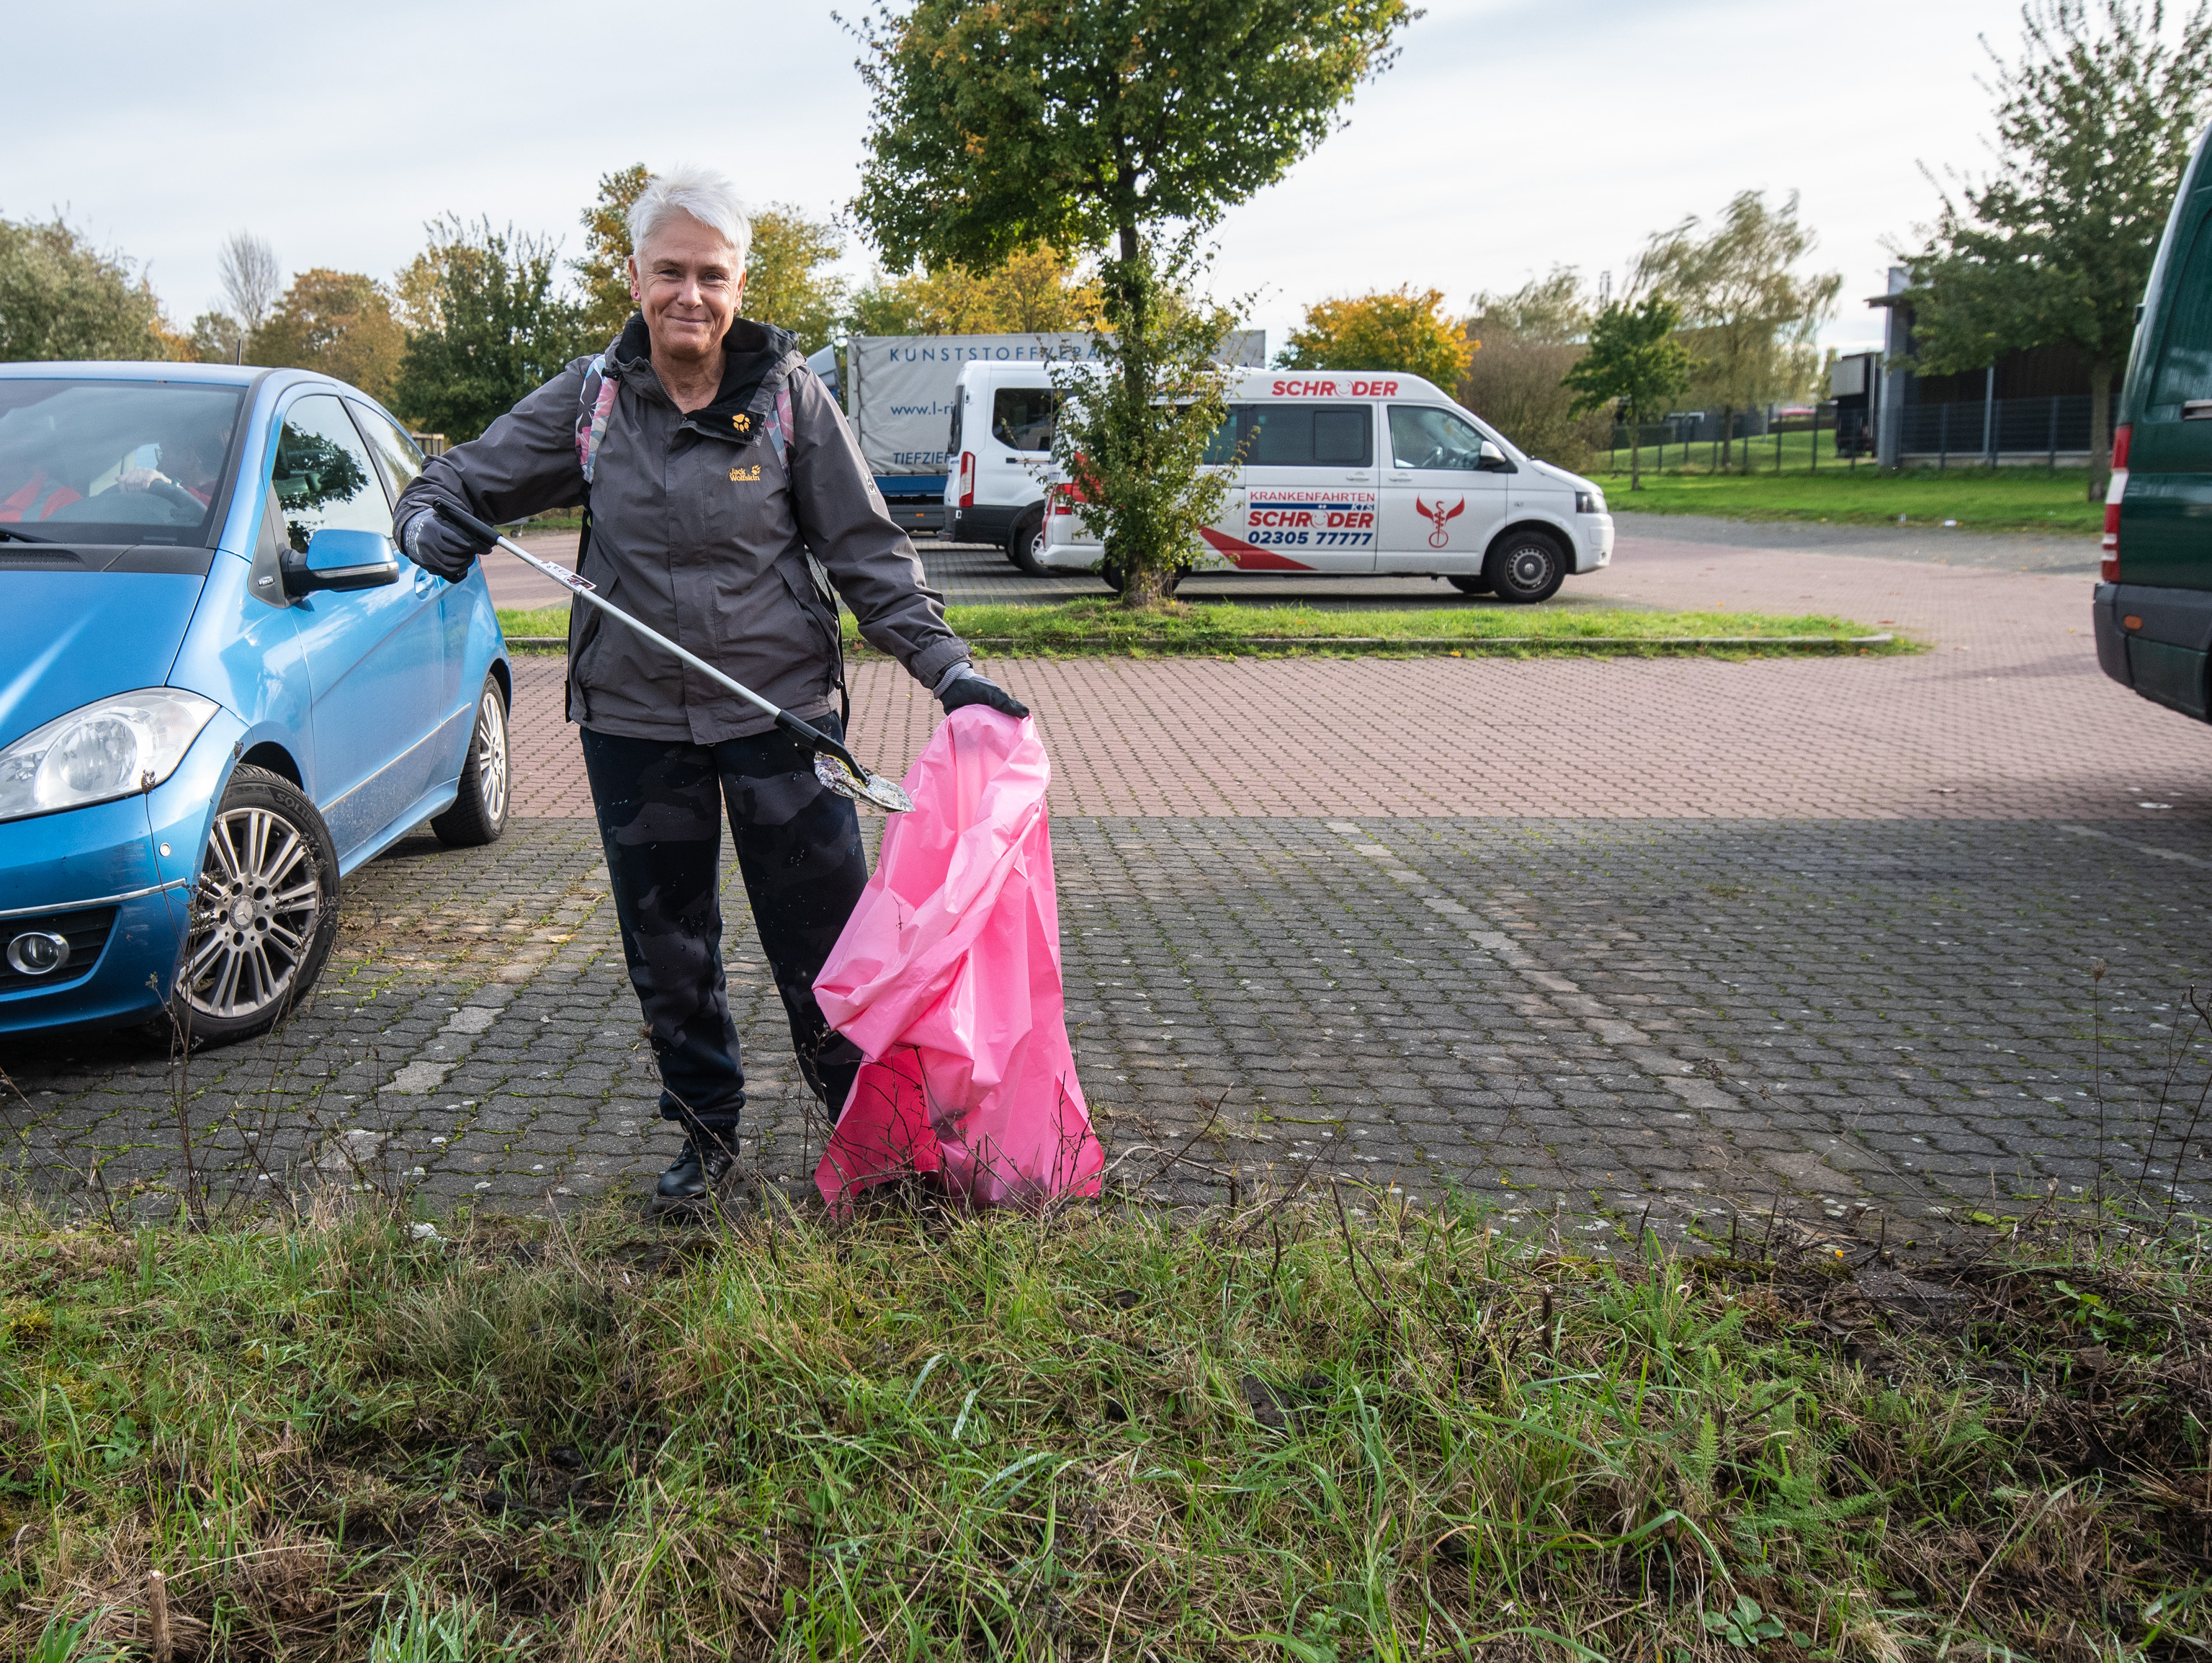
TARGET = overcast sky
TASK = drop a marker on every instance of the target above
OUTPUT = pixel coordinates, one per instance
(1510, 137)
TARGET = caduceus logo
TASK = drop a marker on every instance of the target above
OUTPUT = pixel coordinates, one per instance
(1437, 514)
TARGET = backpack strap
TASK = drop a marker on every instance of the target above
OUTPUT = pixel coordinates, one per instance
(594, 405)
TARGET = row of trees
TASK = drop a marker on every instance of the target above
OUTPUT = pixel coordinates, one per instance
(2051, 246)
(1719, 312)
(482, 314)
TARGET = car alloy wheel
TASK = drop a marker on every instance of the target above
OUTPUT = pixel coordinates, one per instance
(489, 751)
(478, 814)
(255, 918)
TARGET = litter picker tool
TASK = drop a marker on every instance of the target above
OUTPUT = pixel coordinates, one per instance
(834, 766)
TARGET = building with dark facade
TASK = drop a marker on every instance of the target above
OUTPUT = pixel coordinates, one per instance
(2030, 407)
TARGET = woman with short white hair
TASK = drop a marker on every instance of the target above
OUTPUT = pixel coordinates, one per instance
(723, 495)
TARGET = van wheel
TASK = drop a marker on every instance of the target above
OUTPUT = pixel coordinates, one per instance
(1025, 543)
(1525, 568)
(262, 915)
(1476, 584)
(479, 812)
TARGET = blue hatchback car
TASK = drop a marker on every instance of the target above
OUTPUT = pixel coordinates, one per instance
(222, 687)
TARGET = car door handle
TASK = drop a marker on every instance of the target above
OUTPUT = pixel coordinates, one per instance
(424, 580)
(2196, 410)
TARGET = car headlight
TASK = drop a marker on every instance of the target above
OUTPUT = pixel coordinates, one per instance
(117, 747)
(1589, 502)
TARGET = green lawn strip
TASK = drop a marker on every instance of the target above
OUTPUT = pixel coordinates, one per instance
(1284, 1433)
(539, 622)
(1979, 499)
(1098, 626)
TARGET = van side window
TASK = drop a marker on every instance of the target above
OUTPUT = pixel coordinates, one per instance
(2184, 364)
(1221, 448)
(1424, 436)
(1022, 417)
(1309, 436)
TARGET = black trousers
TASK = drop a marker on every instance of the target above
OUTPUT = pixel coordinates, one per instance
(660, 805)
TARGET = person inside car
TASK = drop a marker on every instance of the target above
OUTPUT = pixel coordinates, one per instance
(191, 466)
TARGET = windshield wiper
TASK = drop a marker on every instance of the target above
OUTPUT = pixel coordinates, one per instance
(21, 537)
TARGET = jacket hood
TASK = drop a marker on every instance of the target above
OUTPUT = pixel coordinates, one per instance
(68, 638)
(751, 352)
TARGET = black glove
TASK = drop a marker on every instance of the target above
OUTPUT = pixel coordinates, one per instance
(441, 548)
(967, 688)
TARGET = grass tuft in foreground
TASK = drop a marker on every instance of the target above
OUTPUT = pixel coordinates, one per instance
(1097, 625)
(1290, 1432)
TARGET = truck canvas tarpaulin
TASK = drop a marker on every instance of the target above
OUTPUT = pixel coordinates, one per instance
(900, 396)
(947, 977)
(899, 388)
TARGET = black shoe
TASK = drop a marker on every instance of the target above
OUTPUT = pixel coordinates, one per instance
(699, 1167)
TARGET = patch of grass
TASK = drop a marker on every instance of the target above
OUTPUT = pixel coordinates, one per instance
(1096, 625)
(1979, 499)
(534, 620)
(1292, 1430)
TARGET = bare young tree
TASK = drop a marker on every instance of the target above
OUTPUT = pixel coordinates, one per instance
(1747, 318)
(251, 279)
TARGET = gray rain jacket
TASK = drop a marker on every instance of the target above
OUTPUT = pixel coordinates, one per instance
(701, 526)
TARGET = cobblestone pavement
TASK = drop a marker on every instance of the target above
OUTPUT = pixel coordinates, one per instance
(2006, 716)
(1614, 934)
(1608, 1015)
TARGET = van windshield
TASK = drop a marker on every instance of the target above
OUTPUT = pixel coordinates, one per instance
(98, 461)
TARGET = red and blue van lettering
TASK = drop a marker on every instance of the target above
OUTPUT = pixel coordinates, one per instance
(1305, 390)
(1374, 389)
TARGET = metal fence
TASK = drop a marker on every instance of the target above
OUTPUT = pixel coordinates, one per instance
(2049, 431)
(1787, 442)
(1993, 432)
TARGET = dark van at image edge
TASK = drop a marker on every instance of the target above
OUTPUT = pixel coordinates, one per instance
(2153, 603)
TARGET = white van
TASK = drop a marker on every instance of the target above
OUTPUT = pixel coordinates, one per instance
(1000, 452)
(1361, 473)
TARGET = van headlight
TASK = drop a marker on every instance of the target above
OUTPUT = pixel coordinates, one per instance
(1589, 502)
(116, 748)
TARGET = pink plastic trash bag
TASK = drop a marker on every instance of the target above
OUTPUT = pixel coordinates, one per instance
(947, 977)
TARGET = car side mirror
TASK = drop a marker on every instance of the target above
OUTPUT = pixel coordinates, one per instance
(340, 559)
(1494, 460)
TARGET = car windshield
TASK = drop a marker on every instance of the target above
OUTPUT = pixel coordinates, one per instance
(98, 461)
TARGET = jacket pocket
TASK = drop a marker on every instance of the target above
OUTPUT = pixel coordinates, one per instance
(586, 632)
(808, 600)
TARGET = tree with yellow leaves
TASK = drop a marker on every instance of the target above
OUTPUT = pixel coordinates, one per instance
(1402, 328)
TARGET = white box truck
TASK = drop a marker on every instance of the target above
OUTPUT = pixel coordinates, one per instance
(901, 393)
